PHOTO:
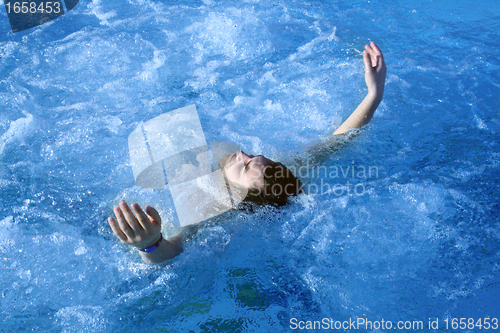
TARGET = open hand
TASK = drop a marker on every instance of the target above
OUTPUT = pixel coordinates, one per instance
(375, 70)
(139, 230)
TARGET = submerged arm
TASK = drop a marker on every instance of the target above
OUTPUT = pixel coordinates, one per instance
(375, 72)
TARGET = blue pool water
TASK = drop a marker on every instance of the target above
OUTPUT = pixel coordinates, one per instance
(420, 241)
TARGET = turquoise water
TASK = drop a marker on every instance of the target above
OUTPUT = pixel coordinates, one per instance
(419, 240)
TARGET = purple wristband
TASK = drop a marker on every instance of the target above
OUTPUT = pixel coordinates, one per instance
(152, 247)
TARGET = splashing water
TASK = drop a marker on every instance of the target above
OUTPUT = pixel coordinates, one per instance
(419, 240)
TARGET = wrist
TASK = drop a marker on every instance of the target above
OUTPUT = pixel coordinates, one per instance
(153, 247)
(375, 95)
(155, 240)
(168, 249)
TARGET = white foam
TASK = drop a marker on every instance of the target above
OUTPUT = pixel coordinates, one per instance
(81, 318)
(267, 77)
(6, 239)
(6, 49)
(150, 72)
(480, 123)
(101, 14)
(307, 49)
(81, 248)
(231, 33)
(275, 108)
(17, 131)
(206, 76)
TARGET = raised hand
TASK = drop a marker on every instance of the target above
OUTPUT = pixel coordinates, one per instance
(375, 70)
(139, 230)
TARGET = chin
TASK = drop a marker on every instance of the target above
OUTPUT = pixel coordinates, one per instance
(223, 160)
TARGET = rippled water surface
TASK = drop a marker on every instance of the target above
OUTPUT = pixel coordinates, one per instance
(419, 238)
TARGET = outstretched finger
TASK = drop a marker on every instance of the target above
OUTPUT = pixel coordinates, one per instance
(367, 60)
(122, 222)
(378, 53)
(130, 217)
(154, 216)
(375, 48)
(141, 216)
(116, 230)
(373, 55)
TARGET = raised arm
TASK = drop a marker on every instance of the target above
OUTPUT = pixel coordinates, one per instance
(144, 232)
(375, 71)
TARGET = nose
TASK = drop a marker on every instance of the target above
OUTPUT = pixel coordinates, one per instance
(246, 156)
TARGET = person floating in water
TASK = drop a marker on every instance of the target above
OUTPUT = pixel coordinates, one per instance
(263, 180)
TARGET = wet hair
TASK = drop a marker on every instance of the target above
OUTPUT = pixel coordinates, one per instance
(279, 184)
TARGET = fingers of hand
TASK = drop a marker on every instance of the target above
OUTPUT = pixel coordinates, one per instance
(141, 216)
(378, 54)
(367, 60)
(372, 55)
(130, 217)
(375, 55)
(136, 231)
(154, 216)
(122, 222)
(116, 230)
(375, 47)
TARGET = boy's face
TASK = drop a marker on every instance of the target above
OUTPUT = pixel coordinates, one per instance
(245, 170)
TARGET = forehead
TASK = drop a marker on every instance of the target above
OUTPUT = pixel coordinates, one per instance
(259, 163)
(255, 173)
